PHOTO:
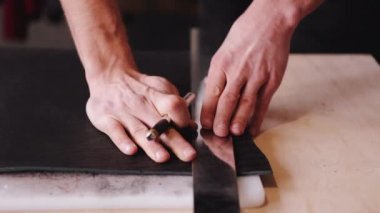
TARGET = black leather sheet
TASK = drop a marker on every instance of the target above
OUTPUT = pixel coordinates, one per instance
(44, 127)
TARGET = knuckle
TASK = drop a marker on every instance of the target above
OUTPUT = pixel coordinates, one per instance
(97, 106)
(238, 79)
(246, 102)
(215, 60)
(145, 90)
(273, 85)
(260, 79)
(276, 78)
(111, 126)
(230, 97)
(164, 85)
(221, 59)
(134, 104)
(175, 103)
(214, 91)
(162, 80)
(139, 100)
(138, 130)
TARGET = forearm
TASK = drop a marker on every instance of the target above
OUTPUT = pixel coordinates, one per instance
(281, 15)
(99, 36)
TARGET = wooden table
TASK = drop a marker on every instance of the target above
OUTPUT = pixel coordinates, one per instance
(322, 137)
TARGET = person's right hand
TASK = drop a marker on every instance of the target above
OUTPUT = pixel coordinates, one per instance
(125, 104)
(249, 66)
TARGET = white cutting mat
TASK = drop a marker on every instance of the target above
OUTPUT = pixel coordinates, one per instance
(57, 191)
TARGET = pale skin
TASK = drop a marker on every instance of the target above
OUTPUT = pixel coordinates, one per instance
(248, 67)
(244, 73)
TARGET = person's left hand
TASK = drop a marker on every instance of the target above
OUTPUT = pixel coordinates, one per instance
(125, 103)
(246, 71)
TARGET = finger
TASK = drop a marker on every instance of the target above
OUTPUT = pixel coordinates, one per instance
(166, 100)
(171, 138)
(226, 107)
(142, 108)
(119, 137)
(181, 148)
(138, 131)
(262, 104)
(215, 83)
(174, 106)
(177, 110)
(246, 107)
(151, 106)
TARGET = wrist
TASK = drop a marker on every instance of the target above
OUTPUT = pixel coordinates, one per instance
(107, 56)
(108, 60)
(110, 75)
(282, 16)
(110, 65)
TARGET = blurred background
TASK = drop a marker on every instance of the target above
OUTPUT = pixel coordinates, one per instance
(338, 26)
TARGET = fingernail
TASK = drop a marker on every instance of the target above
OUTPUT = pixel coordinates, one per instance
(161, 156)
(237, 128)
(128, 148)
(189, 154)
(221, 130)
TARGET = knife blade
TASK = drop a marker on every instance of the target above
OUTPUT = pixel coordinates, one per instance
(214, 175)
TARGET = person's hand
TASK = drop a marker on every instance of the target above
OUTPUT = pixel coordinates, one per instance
(246, 70)
(124, 105)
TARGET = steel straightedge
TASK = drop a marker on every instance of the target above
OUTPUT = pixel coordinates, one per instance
(214, 175)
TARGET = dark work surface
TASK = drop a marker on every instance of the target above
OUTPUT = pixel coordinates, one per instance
(43, 125)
